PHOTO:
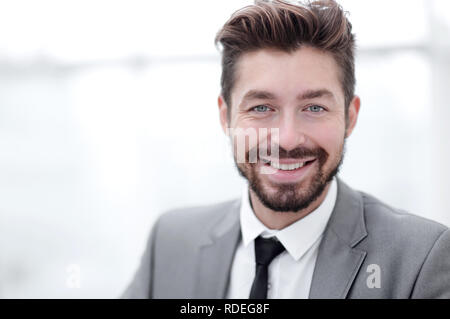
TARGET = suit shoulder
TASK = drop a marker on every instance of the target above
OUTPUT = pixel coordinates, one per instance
(197, 217)
(397, 223)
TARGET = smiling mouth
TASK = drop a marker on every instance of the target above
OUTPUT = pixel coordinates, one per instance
(288, 166)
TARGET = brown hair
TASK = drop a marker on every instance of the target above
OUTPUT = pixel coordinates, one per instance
(285, 26)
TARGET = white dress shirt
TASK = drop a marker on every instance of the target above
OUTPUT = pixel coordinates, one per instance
(290, 273)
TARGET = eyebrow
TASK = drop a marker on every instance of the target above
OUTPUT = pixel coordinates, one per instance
(258, 95)
(313, 94)
(307, 95)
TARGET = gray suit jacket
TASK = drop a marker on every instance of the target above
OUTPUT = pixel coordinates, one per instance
(190, 252)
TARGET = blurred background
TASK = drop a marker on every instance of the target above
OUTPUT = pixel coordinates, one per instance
(108, 118)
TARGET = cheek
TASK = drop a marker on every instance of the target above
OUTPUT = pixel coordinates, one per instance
(329, 136)
(255, 132)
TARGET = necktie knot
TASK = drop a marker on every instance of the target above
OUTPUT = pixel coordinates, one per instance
(266, 249)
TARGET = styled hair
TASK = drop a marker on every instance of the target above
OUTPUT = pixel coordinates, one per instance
(287, 27)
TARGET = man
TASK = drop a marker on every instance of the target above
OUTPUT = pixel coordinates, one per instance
(298, 231)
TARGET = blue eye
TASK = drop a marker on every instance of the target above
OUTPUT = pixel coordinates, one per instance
(261, 108)
(315, 108)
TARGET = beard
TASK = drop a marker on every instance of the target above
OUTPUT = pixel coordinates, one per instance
(292, 197)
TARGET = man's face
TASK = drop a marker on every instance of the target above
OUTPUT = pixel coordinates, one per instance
(300, 94)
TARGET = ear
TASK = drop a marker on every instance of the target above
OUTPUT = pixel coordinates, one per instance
(353, 111)
(223, 113)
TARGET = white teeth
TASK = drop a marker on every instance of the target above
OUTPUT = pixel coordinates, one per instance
(286, 167)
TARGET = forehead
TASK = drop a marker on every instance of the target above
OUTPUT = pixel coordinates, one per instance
(287, 74)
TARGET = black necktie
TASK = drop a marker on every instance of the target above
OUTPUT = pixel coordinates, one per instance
(266, 249)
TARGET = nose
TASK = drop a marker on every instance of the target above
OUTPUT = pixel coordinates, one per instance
(290, 134)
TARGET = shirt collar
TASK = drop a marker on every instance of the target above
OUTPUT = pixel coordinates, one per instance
(298, 237)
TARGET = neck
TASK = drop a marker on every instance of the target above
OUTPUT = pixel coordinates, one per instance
(279, 220)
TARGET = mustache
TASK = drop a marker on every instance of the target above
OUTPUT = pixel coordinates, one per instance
(296, 153)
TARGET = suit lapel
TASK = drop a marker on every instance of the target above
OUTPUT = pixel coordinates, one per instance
(216, 254)
(336, 269)
(338, 260)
